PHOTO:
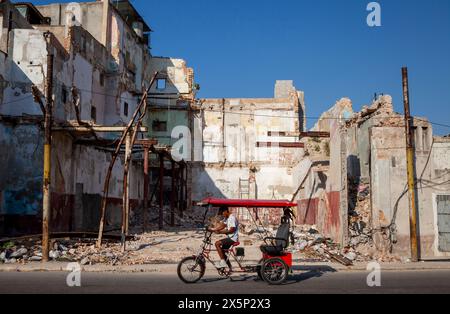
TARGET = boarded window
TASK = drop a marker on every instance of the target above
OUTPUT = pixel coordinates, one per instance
(159, 126)
(443, 207)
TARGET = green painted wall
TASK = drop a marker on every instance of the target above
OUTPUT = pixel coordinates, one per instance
(173, 118)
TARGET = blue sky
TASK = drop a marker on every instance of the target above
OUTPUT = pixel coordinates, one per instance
(239, 48)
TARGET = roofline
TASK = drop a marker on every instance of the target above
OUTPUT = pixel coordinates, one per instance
(30, 5)
(147, 28)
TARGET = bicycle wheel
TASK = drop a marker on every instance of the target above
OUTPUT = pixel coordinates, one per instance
(275, 271)
(191, 270)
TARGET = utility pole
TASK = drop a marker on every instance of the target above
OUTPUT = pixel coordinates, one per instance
(410, 156)
(48, 120)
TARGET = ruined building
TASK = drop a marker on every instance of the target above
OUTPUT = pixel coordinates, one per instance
(348, 174)
(240, 157)
(361, 199)
(102, 63)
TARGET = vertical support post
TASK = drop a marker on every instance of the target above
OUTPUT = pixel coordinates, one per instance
(179, 184)
(173, 197)
(185, 183)
(161, 191)
(146, 186)
(48, 120)
(410, 156)
(126, 189)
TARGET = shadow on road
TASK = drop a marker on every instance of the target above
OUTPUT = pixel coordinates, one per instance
(308, 272)
(301, 274)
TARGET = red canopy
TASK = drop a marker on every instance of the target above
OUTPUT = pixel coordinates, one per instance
(216, 202)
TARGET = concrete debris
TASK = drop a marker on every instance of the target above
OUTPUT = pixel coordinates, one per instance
(35, 259)
(19, 253)
(382, 107)
(11, 261)
(54, 255)
(351, 256)
(312, 246)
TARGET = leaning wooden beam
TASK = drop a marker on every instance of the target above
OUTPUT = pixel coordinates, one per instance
(114, 158)
(126, 188)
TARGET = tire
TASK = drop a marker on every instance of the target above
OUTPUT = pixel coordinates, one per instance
(191, 265)
(275, 271)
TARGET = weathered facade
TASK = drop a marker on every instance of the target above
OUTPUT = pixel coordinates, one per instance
(238, 157)
(102, 63)
(370, 208)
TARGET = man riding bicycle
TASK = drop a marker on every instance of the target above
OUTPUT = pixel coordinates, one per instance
(230, 227)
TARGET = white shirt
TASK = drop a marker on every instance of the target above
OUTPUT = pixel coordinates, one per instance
(232, 222)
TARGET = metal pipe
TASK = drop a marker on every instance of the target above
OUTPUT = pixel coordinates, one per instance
(410, 156)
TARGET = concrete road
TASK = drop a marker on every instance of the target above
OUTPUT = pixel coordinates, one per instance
(301, 282)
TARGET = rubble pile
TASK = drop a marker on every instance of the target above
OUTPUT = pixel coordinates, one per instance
(360, 222)
(359, 214)
(311, 246)
(63, 250)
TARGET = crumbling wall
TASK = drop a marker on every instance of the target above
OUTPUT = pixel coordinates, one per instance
(179, 78)
(25, 67)
(234, 134)
(21, 178)
(78, 170)
(377, 188)
(324, 197)
(88, 15)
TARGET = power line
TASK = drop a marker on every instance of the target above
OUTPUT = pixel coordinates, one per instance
(248, 114)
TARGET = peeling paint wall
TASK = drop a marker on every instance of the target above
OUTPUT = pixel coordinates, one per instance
(24, 68)
(376, 152)
(21, 176)
(179, 78)
(230, 130)
(78, 170)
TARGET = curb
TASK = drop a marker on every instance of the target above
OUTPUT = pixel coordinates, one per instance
(161, 268)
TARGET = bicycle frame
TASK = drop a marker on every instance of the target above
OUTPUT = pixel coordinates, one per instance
(205, 255)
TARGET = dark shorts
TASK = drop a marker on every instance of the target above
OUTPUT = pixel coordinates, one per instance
(227, 243)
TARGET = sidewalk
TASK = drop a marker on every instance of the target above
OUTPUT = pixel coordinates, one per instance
(171, 268)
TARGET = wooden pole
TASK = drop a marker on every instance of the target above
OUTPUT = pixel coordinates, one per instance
(410, 158)
(48, 120)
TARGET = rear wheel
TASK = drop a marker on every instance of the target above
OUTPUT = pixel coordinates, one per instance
(191, 270)
(275, 271)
